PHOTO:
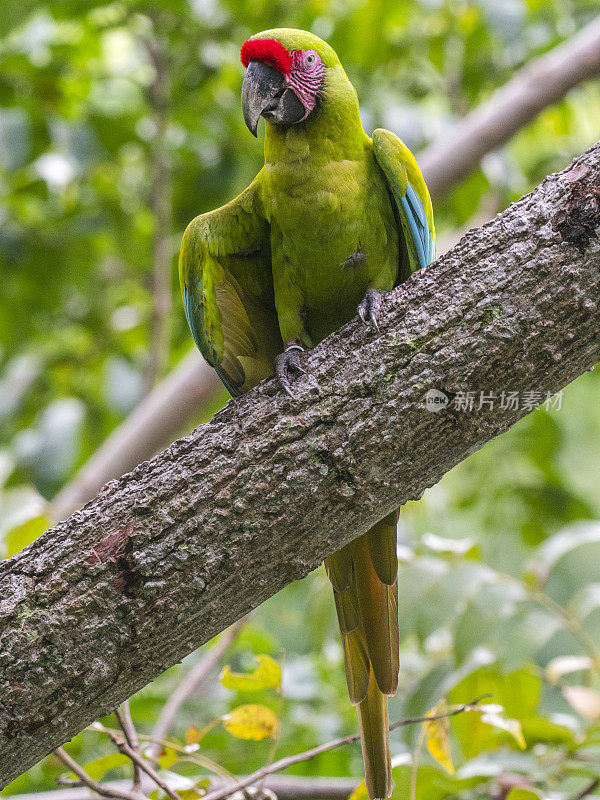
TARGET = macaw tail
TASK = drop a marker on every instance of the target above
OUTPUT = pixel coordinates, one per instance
(364, 575)
(375, 741)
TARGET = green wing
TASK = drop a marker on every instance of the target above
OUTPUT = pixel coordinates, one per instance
(411, 198)
(227, 287)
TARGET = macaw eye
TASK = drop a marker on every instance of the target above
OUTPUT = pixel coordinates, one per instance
(310, 59)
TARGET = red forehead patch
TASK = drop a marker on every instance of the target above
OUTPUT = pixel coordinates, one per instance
(268, 50)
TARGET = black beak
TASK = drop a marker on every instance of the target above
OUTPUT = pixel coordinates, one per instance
(263, 92)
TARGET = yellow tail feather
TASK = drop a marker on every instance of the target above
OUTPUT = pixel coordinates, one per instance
(364, 579)
(375, 741)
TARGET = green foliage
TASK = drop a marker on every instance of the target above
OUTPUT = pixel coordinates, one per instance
(499, 576)
(99, 767)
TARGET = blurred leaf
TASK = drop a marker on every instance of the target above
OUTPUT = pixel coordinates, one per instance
(193, 794)
(516, 692)
(570, 558)
(540, 729)
(98, 768)
(18, 506)
(199, 790)
(521, 793)
(179, 783)
(511, 726)
(15, 137)
(584, 700)
(22, 535)
(193, 735)
(251, 722)
(168, 757)
(563, 665)
(359, 792)
(459, 547)
(437, 736)
(266, 676)
(432, 783)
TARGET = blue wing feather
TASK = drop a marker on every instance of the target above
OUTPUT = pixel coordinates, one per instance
(194, 313)
(413, 222)
(410, 195)
(195, 318)
(417, 220)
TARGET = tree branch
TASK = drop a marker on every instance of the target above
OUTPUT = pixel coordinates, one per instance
(587, 789)
(286, 787)
(169, 555)
(166, 411)
(102, 789)
(160, 417)
(128, 728)
(301, 787)
(159, 96)
(540, 84)
(192, 680)
(307, 755)
(143, 765)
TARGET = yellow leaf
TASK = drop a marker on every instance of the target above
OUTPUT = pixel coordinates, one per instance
(251, 722)
(190, 794)
(168, 757)
(359, 792)
(192, 735)
(266, 676)
(437, 734)
(468, 19)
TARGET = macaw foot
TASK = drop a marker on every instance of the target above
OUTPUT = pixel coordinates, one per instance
(370, 306)
(286, 364)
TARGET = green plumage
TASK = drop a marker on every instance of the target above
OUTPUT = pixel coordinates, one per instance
(332, 214)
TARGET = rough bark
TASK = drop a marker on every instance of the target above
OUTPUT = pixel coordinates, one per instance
(170, 554)
(457, 152)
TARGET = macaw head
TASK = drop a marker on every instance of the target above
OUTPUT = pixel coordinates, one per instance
(286, 73)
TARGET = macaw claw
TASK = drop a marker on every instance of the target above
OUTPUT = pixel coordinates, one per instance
(370, 306)
(286, 364)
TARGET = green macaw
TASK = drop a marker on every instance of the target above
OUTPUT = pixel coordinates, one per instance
(332, 221)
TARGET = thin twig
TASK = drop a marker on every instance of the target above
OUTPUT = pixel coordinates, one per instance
(288, 761)
(587, 789)
(159, 95)
(415, 764)
(105, 791)
(128, 728)
(286, 787)
(194, 758)
(571, 623)
(144, 765)
(192, 679)
(277, 736)
(539, 84)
